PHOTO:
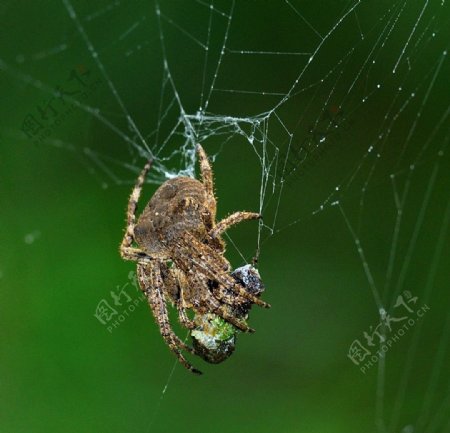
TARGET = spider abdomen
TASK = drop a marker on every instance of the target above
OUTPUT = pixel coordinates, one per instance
(178, 206)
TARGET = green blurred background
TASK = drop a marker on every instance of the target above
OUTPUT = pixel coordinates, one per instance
(63, 210)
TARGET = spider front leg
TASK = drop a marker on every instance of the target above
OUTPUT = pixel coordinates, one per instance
(212, 304)
(207, 179)
(211, 264)
(206, 170)
(155, 296)
(126, 251)
(231, 220)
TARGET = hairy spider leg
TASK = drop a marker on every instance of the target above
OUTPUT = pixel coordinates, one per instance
(231, 220)
(208, 182)
(126, 250)
(180, 278)
(206, 170)
(207, 266)
(157, 303)
(211, 304)
(201, 267)
(174, 282)
(183, 317)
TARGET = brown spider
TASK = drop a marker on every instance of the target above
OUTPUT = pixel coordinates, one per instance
(180, 254)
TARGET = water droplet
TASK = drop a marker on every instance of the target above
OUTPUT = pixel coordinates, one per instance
(29, 238)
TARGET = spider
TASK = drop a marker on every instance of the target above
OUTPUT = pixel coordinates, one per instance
(180, 254)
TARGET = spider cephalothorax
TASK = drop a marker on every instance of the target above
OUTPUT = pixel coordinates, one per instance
(180, 255)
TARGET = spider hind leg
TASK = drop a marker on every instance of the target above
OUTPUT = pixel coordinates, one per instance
(158, 306)
(126, 251)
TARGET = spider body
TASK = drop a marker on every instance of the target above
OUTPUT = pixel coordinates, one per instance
(179, 254)
(179, 206)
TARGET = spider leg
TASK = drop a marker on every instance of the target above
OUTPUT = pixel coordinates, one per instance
(208, 181)
(225, 280)
(211, 304)
(175, 283)
(227, 285)
(213, 265)
(182, 315)
(134, 254)
(206, 171)
(126, 252)
(231, 220)
(178, 281)
(157, 303)
(156, 284)
(222, 311)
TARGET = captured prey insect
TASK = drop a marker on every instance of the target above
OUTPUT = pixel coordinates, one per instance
(213, 338)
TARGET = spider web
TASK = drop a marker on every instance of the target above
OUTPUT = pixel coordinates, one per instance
(341, 109)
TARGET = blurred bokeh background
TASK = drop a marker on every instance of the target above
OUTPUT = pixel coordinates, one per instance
(329, 117)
